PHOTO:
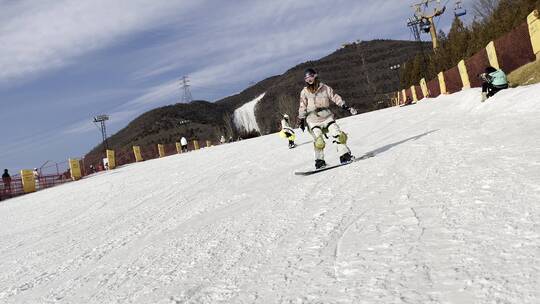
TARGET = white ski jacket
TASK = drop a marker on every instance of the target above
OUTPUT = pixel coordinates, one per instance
(286, 127)
(314, 107)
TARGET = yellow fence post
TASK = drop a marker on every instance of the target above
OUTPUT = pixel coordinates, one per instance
(404, 93)
(137, 153)
(533, 20)
(413, 92)
(464, 76)
(442, 83)
(492, 55)
(161, 150)
(196, 145)
(110, 159)
(423, 86)
(28, 181)
(178, 148)
(75, 169)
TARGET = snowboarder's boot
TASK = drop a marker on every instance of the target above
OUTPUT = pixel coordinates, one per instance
(484, 97)
(292, 145)
(346, 158)
(320, 163)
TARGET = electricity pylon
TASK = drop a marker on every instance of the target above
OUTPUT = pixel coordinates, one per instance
(186, 96)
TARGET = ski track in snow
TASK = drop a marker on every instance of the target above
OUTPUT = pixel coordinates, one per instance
(446, 212)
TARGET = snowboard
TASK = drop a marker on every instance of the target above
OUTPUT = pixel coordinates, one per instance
(367, 155)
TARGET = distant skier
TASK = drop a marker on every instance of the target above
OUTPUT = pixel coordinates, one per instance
(287, 131)
(494, 81)
(222, 140)
(6, 180)
(183, 144)
(314, 112)
(36, 177)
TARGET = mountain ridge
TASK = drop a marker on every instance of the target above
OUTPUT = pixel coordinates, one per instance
(358, 71)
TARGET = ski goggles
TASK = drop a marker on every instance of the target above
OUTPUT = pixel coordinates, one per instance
(310, 76)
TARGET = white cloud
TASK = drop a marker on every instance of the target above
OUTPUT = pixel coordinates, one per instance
(240, 46)
(38, 36)
(157, 94)
(127, 111)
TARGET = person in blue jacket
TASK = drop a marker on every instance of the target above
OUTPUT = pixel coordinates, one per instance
(494, 81)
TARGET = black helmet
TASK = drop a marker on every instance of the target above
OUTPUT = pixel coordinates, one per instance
(490, 70)
(310, 72)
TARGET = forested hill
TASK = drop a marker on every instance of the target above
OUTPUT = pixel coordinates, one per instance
(359, 72)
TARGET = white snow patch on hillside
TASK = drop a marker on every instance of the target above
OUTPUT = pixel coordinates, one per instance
(448, 211)
(244, 116)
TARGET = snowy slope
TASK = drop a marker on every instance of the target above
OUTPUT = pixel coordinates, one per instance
(446, 212)
(244, 116)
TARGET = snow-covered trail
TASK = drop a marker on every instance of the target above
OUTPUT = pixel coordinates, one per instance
(446, 212)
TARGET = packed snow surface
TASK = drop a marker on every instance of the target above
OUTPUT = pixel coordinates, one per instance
(244, 116)
(448, 211)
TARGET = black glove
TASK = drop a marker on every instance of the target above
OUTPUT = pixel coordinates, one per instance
(347, 108)
(302, 124)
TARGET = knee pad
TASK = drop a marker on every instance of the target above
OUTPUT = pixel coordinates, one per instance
(319, 143)
(341, 138)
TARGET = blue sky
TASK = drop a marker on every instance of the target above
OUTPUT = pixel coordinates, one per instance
(63, 62)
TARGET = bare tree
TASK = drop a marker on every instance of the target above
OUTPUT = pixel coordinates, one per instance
(228, 124)
(288, 105)
(370, 84)
(484, 8)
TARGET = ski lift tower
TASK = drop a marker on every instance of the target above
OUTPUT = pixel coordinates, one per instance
(101, 119)
(425, 19)
(414, 23)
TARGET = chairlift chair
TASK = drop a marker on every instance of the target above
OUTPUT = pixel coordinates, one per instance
(425, 25)
(459, 10)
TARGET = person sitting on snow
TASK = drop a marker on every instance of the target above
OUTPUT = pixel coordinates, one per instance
(314, 113)
(494, 81)
(287, 131)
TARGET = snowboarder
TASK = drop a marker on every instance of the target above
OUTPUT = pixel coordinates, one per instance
(314, 113)
(494, 81)
(183, 144)
(287, 131)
